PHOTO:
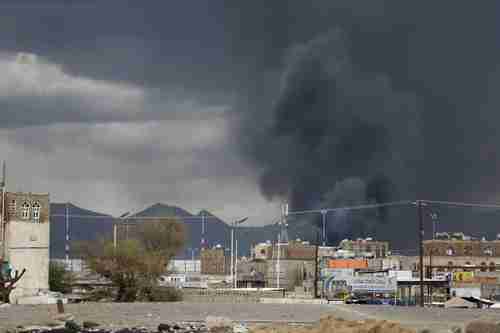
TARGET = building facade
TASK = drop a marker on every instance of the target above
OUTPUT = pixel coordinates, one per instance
(460, 254)
(366, 247)
(214, 262)
(25, 239)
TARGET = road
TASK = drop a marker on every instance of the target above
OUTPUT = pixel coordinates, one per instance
(151, 314)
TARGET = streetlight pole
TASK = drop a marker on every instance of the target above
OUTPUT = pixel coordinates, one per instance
(232, 255)
(234, 252)
(115, 229)
(421, 249)
(323, 218)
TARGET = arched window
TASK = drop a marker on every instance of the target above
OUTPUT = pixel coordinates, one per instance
(25, 210)
(484, 267)
(467, 264)
(450, 266)
(36, 211)
(492, 267)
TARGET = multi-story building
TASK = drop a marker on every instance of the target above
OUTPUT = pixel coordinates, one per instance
(25, 239)
(214, 261)
(366, 247)
(462, 253)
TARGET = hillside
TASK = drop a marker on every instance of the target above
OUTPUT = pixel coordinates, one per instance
(83, 224)
(87, 225)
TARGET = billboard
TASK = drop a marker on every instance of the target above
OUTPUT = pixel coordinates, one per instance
(463, 276)
(373, 284)
(348, 263)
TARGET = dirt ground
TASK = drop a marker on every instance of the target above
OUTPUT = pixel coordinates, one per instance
(151, 314)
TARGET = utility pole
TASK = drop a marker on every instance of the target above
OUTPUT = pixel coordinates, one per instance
(278, 263)
(66, 246)
(202, 229)
(434, 218)
(3, 218)
(232, 254)
(421, 249)
(316, 279)
(236, 265)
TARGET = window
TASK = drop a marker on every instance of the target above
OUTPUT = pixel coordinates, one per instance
(468, 250)
(488, 251)
(36, 212)
(492, 267)
(483, 267)
(25, 211)
(450, 266)
(450, 251)
(12, 206)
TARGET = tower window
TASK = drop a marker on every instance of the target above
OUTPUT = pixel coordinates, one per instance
(36, 211)
(12, 206)
(25, 211)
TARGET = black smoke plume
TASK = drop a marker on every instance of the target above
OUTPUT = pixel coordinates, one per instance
(359, 103)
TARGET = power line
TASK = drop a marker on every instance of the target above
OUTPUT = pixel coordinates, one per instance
(461, 204)
(348, 208)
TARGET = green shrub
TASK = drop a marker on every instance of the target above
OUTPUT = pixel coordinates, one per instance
(161, 294)
(60, 280)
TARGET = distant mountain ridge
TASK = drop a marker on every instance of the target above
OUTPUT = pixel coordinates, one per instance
(85, 225)
(400, 228)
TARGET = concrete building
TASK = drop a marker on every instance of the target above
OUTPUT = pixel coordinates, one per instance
(462, 253)
(214, 261)
(184, 266)
(25, 239)
(262, 251)
(367, 247)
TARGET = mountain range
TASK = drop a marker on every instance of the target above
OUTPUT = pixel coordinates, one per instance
(85, 225)
(399, 227)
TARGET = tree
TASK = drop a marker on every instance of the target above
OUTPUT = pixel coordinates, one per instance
(60, 279)
(8, 282)
(135, 265)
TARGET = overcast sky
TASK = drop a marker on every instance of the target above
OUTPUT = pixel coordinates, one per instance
(113, 107)
(116, 105)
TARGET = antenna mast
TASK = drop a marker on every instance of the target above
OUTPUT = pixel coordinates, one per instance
(3, 219)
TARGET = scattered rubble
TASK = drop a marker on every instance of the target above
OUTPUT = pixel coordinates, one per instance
(332, 324)
(482, 327)
(328, 324)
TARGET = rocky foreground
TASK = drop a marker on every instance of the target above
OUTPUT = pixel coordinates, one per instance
(328, 324)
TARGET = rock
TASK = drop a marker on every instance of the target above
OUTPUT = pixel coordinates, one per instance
(72, 326)
(240, 328)
(90, 324)
(33, 328)
(482, 327)
(219, 324)
(456, 329)
(164, 328)
(176, 327)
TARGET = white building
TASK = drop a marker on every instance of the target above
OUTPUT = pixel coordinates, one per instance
(24, 239)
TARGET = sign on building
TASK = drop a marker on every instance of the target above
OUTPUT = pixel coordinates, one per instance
(463, 276)
(373, 284)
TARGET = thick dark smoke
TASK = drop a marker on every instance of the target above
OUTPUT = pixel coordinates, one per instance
(356, 103)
